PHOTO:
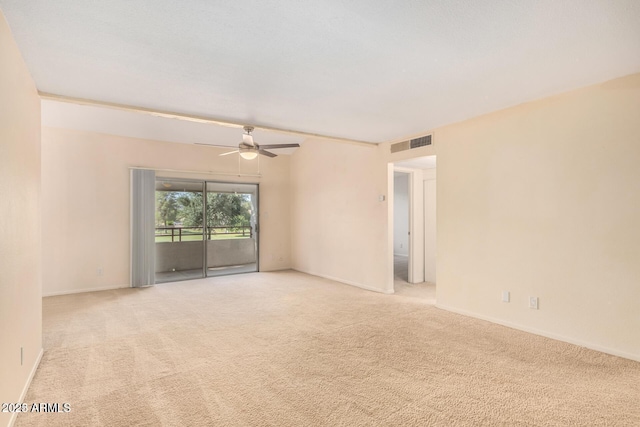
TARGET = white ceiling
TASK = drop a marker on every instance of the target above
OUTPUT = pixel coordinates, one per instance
(371, 70)
(136, 125)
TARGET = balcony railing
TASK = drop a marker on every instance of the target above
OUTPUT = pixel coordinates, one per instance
(179, 234)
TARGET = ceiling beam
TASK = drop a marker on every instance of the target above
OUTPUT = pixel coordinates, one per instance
(192, 117)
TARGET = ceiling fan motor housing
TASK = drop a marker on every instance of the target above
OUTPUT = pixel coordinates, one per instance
(246, 137)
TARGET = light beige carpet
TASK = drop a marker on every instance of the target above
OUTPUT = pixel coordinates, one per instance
(288, 349)
(424, 290)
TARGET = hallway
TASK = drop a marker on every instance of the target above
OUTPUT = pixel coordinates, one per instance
(425, 291)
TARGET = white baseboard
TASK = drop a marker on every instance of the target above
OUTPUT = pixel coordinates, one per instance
(346, 282)
(25, 389)
(546, 334)
(274, 270)
(79, 291)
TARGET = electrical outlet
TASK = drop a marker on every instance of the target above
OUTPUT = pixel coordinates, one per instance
(506, 296)
(100, 271)
(533, 303)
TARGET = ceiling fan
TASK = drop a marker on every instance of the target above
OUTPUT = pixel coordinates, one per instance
(249, 149)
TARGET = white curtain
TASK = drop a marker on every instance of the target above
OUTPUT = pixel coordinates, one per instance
(143, 257)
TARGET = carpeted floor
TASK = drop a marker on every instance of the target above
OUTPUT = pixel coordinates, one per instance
(400, 268)
(401, 286)
(288, 349)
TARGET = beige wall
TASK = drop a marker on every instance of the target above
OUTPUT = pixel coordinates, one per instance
(543, 200)
(85, 195)
(336, 215)
(20, 286)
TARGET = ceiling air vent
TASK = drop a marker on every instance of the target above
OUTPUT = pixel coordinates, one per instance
(413, 143)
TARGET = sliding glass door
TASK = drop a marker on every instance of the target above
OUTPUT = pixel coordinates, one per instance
(232, 228)
(186, 248)
(179, 230)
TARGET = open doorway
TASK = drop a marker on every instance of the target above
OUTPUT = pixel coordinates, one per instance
(414, 228)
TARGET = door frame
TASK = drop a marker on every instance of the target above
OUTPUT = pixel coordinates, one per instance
(430, 270)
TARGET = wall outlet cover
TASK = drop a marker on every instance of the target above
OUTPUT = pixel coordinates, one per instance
(506, 296)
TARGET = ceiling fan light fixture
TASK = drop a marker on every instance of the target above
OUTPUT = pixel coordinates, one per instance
(248, 153)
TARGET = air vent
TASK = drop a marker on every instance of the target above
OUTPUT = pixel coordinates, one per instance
(400, 146)
(421, 142)
(413, 143)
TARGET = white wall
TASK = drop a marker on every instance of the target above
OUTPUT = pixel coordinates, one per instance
(401, 214)
(543, 199)
(20, 270)
(85, 195)
(338, 224)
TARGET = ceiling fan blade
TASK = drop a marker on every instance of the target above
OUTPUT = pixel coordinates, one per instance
(230, 152)
(266, 153)
(213, 145)
(280, 146)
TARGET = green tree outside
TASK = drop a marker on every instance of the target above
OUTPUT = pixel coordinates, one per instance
(166, 208)
(229, 210)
